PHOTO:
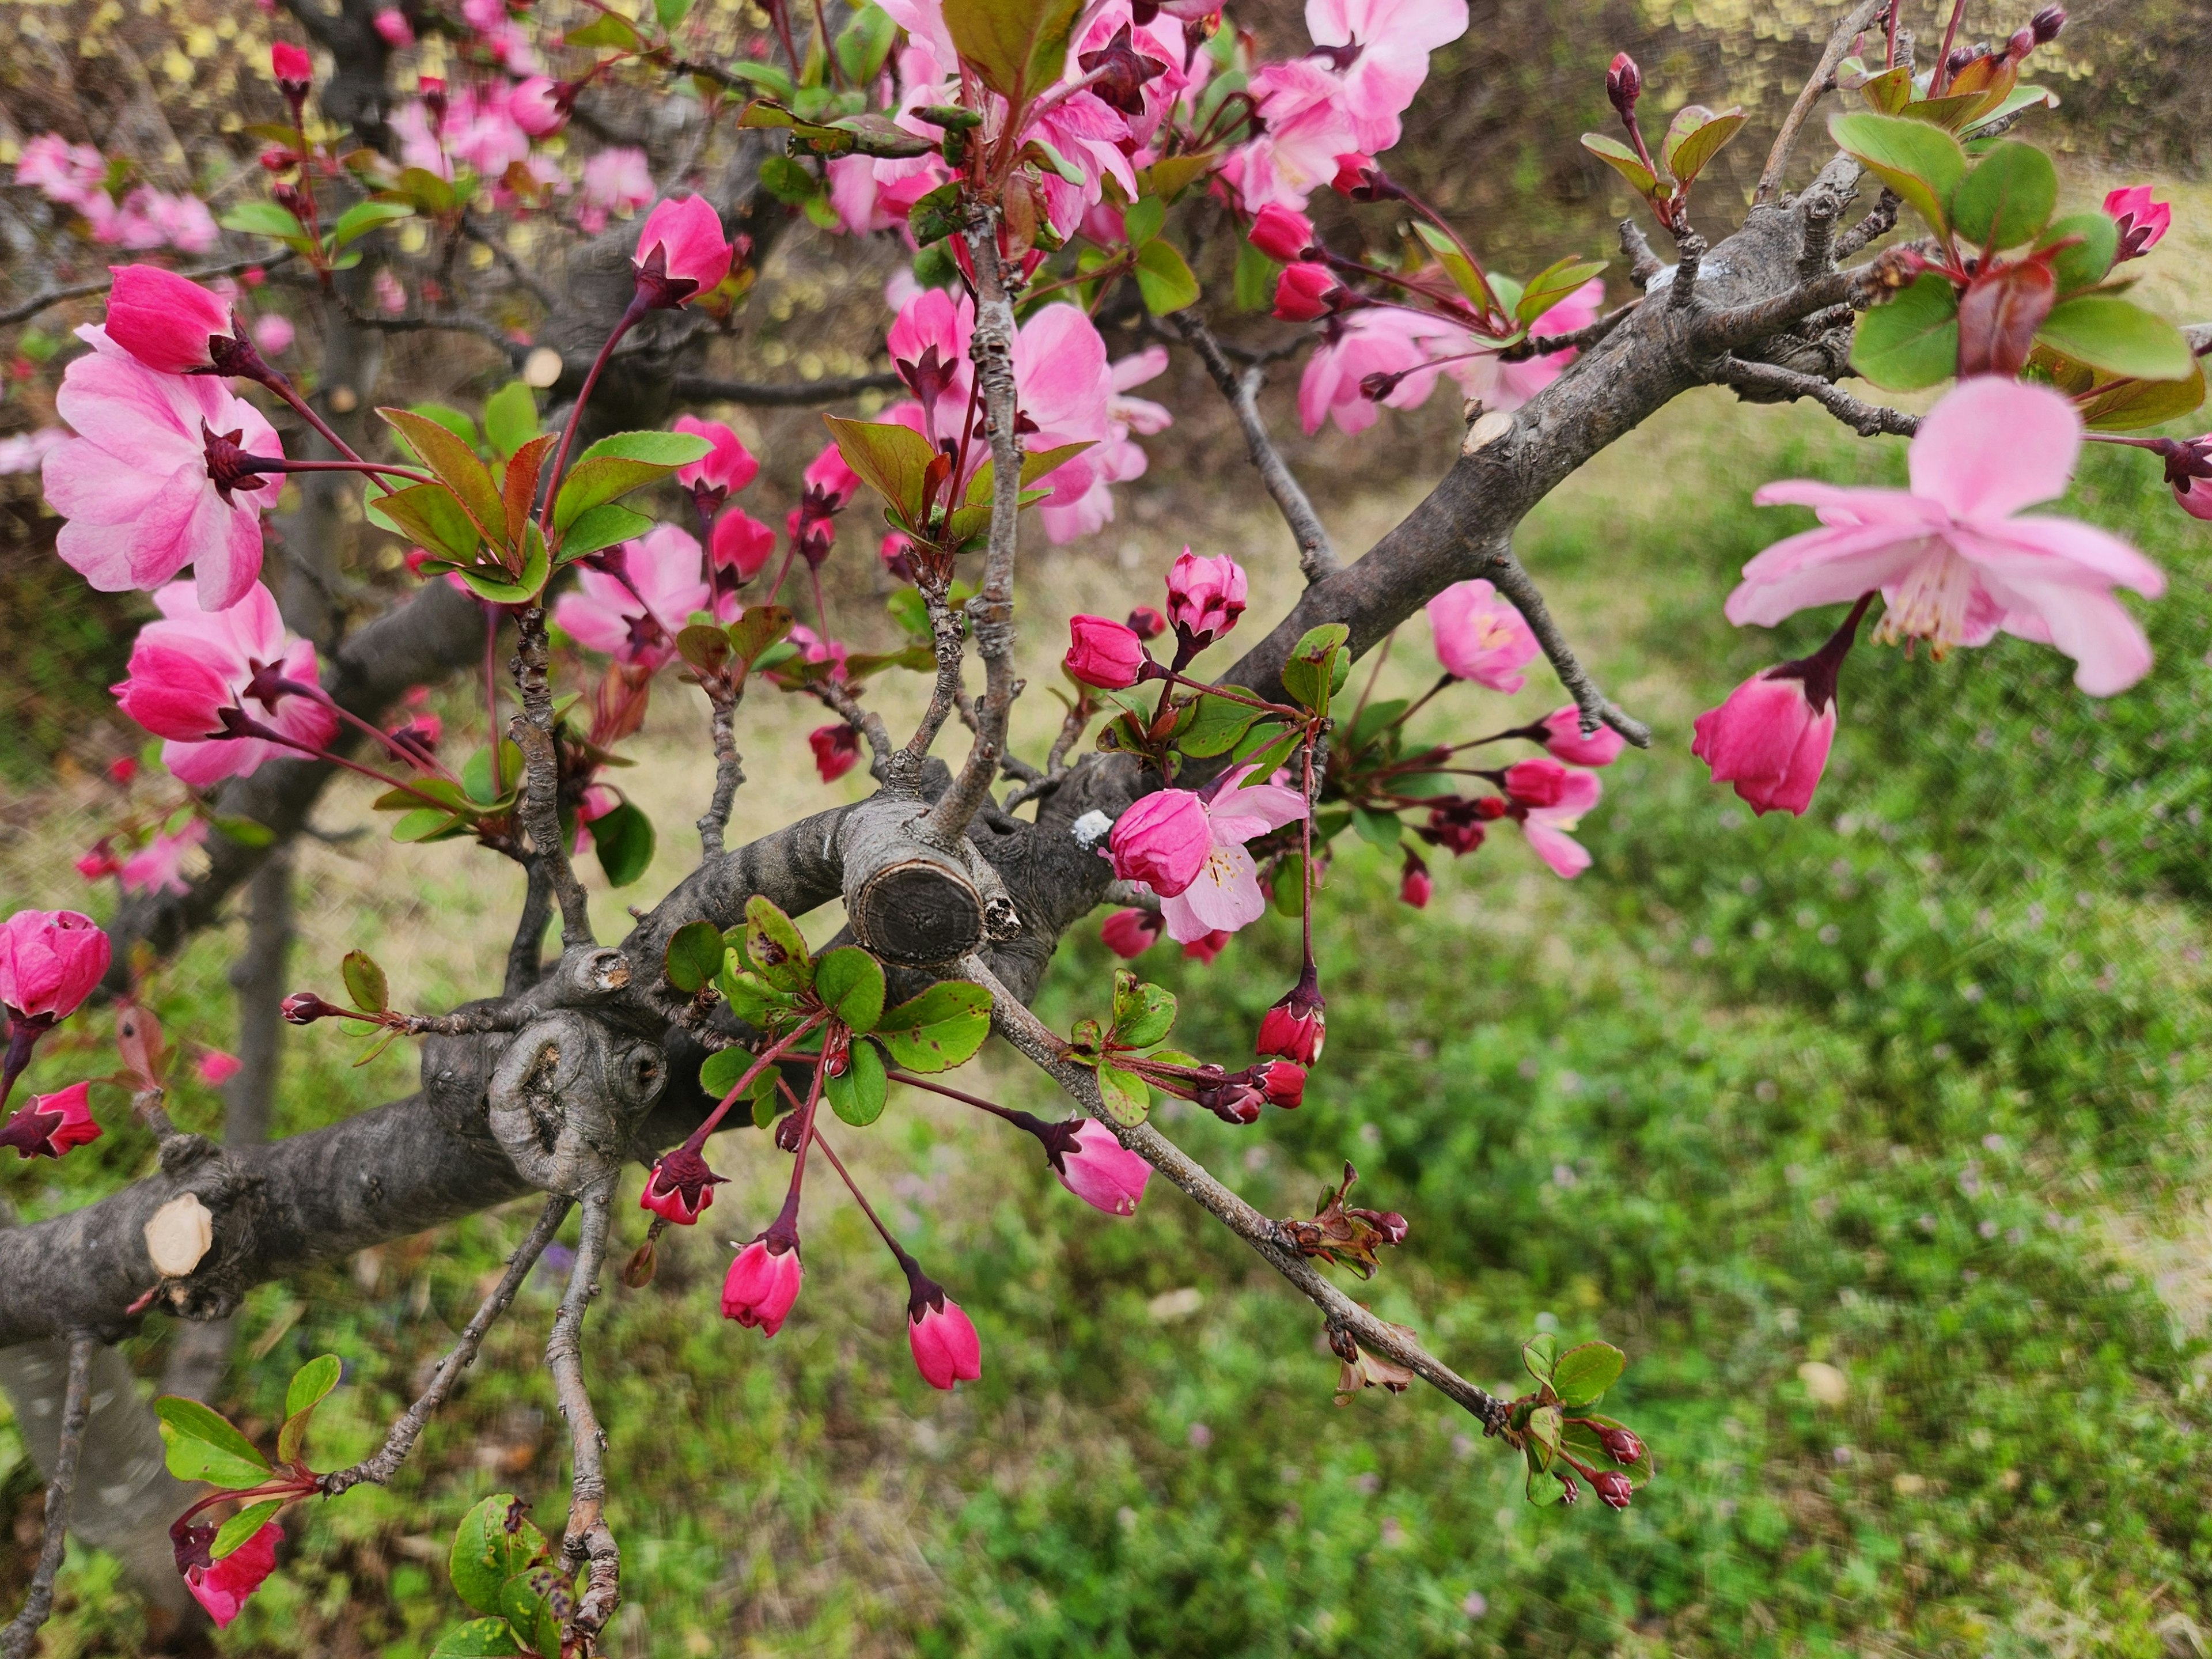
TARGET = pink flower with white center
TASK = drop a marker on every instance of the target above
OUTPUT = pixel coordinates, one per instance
(617, 180)
(190, 673)
(1480, 636)
(1378, 340)
(60, 170)
(763, 1284)
(1095, 1166)
(1953, 563)
(1308, 126)
(727, 465)
(52, 1124)
(636, 616)
(134, 484)
(1504, 386)
(946, 1349)
(1568, 743)
(50, 960)
(1192, 846)
(168, 323)
(159, 866)
(1382, 49)
(223, 1587)
(1549, 827)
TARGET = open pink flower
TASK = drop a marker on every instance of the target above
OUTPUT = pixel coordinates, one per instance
(618, 179)
(1205, 597)
(727, 465)
(1194, 843)
(159, 866)
(761, 1285)
(222, 1587)
(61, 171)
(1117, 459)
(1504, 386)
(134, 483)
(538, 106)
(1379, 340)
(191, 666)
(1307, 125)
(50, 960)
(946, 1349)
(2141, 221)
(1095, 1166)
(51, 1124)
(635, 617)
(1549, 827)
(1566, 742)
(1954, 565)
(1480, 636)
(1381, 48)
(165, 321)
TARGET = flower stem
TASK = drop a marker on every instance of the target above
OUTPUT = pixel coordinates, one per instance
(698, 1138)
(897, 1250)
(631, 315)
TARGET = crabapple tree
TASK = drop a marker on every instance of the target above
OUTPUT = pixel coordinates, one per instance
(1053, 175)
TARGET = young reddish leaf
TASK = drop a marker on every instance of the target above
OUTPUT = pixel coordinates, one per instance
(1998, 315)
(519, 482)
(449, 457)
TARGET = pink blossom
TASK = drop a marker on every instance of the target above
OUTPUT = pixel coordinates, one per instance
(682, 245)
(222, 1587)
(1162, 841)
(1954, 564)
(1567, 742)
(1480, 636)
(1183, 72)
(134, 483)
(1282, 234)
(1306, 293)
(150, 218)
(1548, 828)
(681, 1187)
(26, 452)
(189, 669)
(877, 193)
(61, 171)
(1415, 885)
(52, 1124)
(159, 866)
(1307, 127)
(1103, 653)
(1204, 949)
(391, 293)
(535, 106)
(1129, 933)
(216, 1068)
(476, 129)
(1189, 849)
(635, 617)
(837, 749)
(1118, 459)
(392, 25)
(1378, 340)
(2142, 223)
(2190, 475)
(289, 63)
(1504, 386)
(619, 180)
(1096, 138)
(50, 960)
(727, 466)
(273, 333)
(165, 321)
(1095, 1167)
(761, 1285)
(1205, 597)
(742, 543)
(1771, 738)
(1381, 50)
(946, 1349)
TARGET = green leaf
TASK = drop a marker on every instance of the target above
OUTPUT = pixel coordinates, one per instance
(1164, 279)
(1584, 1443)
(1373, 719)
(1264, 757)
(1586, 1371)
(864, 44)
(601, 527)
(365, 983)
(1544, 1426)
(492, 583)
(2008, 198)
(1540, 1354)
(775, 947)
(2096, 241)
(204, 1446)
(596, 479)
(1382, 829)
(357, 221)
(761, 627)
(247, 832)
(1018, 47)
(1310, 671)
(479, 1638)
(938, 1030)
(623, 840)
(1463, 271)
(1553, 284)
(241, 1527)
(2131, 406)
(1625, 162)
(451, 456)
(263, 219)
(1922, 164)
(536, 1603)
(850, 983)
(857, 1094)
(1913, 340)
(670, 13)
(1694, 138)
(2119, 336)
(1143, 1014)
(476, 774)
(1217, 724)
(510, 418)
(427, 823)
(1127, 1097)
(893, 458)
(1543, 1487)
(694, 957)
(723, 1069)
(429, 515)
(495, 1541)
(1256, 275)
(1142, 219)
(934, 216)
(309, 1386)
(607, 29)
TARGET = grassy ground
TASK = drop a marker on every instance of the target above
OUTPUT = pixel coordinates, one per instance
(1914, 1089)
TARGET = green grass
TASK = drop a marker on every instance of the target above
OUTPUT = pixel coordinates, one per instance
(1913, 1087)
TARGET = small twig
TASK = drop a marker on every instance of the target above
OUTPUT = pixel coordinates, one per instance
(1879, 220)
(949, 644)
(1056, 769)
(451, 322)
(841, 702)
(729, 773)
(1596, 707)
(1743, 326)
(482, 235)
(54, 296)
(1316, 554)
(1868, 420)
(76, 1407)
(760, 394)
(1690, 249)
(527, 951)
(588, 1543)
(1539, 345)
(1839, 41)
(1029, 1034)
(378, 1468)
(533, 731)
(1636, 247)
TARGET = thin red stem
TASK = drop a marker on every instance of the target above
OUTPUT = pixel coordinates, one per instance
(699, 1135)
(635, 310)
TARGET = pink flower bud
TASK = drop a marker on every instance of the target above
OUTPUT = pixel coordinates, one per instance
(1770, 740)
(1414, 885)
(305, 1008)
(52, 1124)
(222, 1587)
(1624, 83)
(1162, 841)
(2141, 221)
(1103, 653)
(680, 1188)
(1613, 1489)
(1283, 1082)
(1282, 234)
(1296, 1026)
(1095, 1166)
(1129, 933)
(274, 334)
(1204, 950)
(1304, 292)
(681, 251)
(396, 32)
(1205, 597)
(164, 320)
(741, 542)
(122, 770)
(763, 1284)
(1621, 1444)
(292, 67)
(1147, 622)
(538, 106)
(1539, 782)
(946, 1349)
(1566, 742)
(2047, 24)
(727, 466)
(828, 480)
(836, 749)
(50, 960)
(1359, 178)
(216, 1068)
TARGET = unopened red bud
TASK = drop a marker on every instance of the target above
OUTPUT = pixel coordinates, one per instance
(1491, 806)
(637, 1273)
(305, 1008)
(1613, 1489)
(1147, 623)
(1569, 1490)
(277, 160)
(2022, 44)
(1624, 83)
(1621, 1444)
(2046, 23)
(787, 1131)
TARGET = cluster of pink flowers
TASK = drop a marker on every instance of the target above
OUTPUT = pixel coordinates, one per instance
(77, 176)
(49, 963)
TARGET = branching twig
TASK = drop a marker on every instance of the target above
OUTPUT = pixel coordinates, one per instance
(1316, 554)
(1868, 420)
(1539, 345)
(526, 952)
(1879, 220)
(1056, 769)
(1514, 582)
(378, 1468)
(760, 394)
(76, 1407)
(533, 731)
(1029, 1034)
(841, 702)
(1743, 326)
(729, 773)
(588, 1542)
(1839, 42)
(949, 644)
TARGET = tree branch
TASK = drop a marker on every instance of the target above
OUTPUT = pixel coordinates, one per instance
(76, 1405)
(1839, 42)
(1596, 707)
(588, 1543)
(540, 811)
(1316, 554)
(1868, 420)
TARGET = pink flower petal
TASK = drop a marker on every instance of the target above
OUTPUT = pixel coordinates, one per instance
(1993, 445)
